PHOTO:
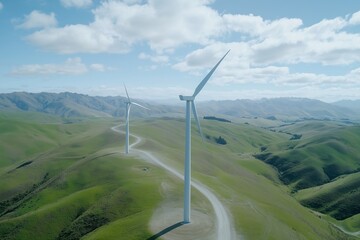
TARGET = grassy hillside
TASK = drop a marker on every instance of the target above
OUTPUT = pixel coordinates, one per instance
(322, 168)
(76, 183)
(324, 152)
(247, 186)
(62, 181)
(339, 198)
(70, 105)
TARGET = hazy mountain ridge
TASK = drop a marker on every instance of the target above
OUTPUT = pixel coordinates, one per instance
(280, 108)
(73, 104)
(79, 105)
(351, 104)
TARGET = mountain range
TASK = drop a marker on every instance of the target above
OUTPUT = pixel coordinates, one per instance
(79, 105)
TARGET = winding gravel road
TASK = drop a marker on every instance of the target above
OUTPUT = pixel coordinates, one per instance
(223, 223)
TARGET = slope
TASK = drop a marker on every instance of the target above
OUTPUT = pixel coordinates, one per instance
(247, 186)
(322, 168)
(339, 198)
(75, 185)
(81, 187)
(324, 152)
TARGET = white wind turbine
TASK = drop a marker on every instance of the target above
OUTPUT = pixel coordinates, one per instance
(190, 104)
(127, 116)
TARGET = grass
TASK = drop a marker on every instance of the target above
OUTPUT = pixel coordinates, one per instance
(92, 191)
(260, 204)
(88, 184)
(325, 152)
(338, 198)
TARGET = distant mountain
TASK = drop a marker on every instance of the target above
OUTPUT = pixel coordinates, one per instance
(354, 105)
(79, 105)
(281, 108)
(75, 105)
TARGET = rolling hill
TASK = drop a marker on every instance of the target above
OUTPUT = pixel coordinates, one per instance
(57, 152)
(322, 167)
(77, 183)
(70, 105)
(78, 105)
(354, 105)
(281, 108)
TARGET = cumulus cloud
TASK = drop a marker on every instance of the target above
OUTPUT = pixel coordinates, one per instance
(355, 18)
(76, 3)
(164, 25)
(37, 19)
(77, 38)
(261, 56)
(155, 58)
(72, 66)
(237, 68)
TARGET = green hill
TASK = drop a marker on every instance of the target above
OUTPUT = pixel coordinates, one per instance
(322, 167)
(76, 183)
(324, 152)
(339, 198)
(70, 105)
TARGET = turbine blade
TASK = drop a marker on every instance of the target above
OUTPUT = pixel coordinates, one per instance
(127, 93)
(137, 104)
(203, 82)
(128, 113)
(197, 119)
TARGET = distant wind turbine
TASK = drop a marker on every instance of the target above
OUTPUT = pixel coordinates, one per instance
(190, 105)
(127, 116)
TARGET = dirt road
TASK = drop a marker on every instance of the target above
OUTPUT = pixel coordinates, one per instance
(224, 229)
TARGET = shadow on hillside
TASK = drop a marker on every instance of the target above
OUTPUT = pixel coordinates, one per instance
(166, 230)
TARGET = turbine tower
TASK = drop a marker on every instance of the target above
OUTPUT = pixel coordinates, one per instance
(127, 116)
(190, 105)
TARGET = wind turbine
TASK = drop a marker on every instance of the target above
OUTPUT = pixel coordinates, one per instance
(190, 105)
(127, 116)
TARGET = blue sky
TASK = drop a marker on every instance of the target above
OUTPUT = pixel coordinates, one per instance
(163, 48)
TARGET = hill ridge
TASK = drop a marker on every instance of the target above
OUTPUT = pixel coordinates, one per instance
(68, 104)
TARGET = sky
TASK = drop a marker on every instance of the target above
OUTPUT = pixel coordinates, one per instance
(161, 48)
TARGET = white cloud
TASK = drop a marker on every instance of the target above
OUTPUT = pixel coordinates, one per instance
(167, 25)
(355, 18)
(72, 66)
(237, 68)
(1, 6)
(155, 58)
(77, 38)
(264, 52)
(76, 3)
(98, 67)
(237, 59)
(37, 19)
(164, 25)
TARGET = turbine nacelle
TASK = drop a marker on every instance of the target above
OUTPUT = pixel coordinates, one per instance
(186, 98)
